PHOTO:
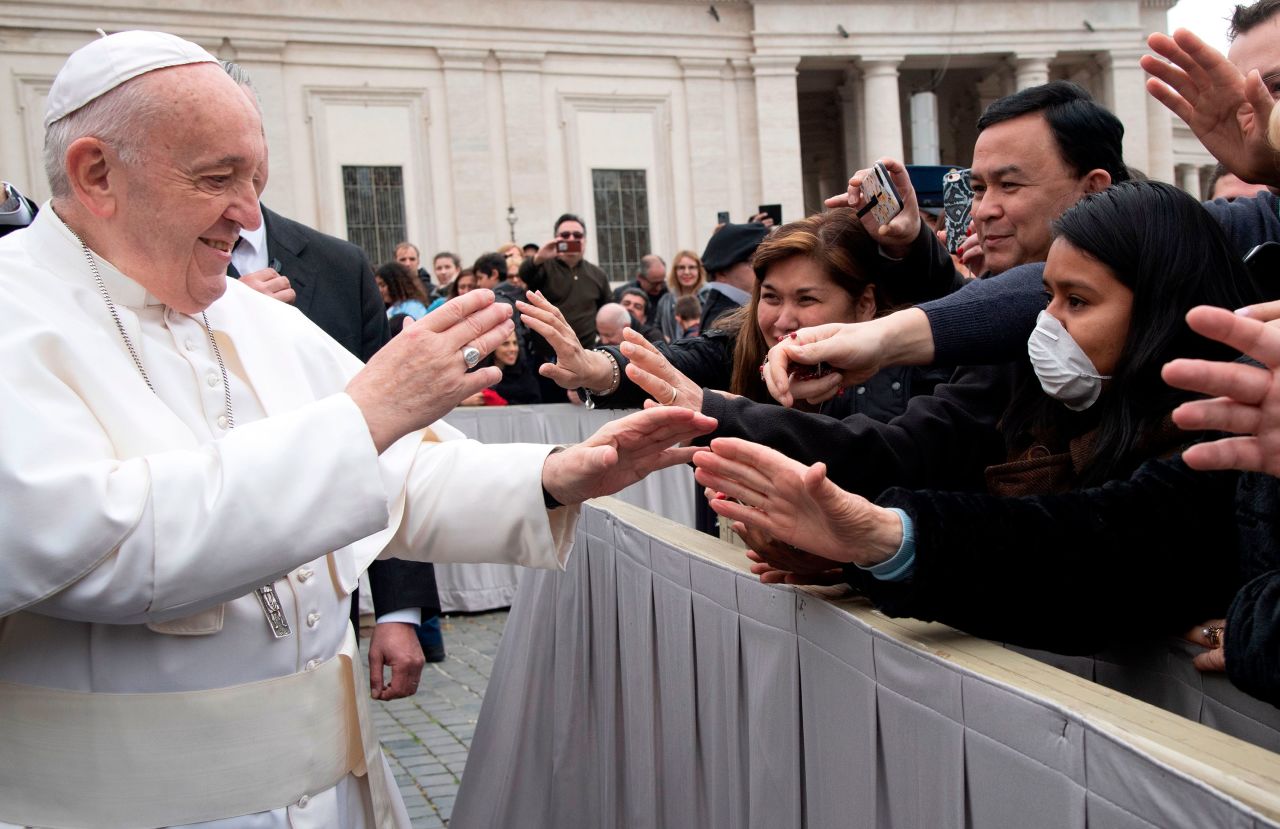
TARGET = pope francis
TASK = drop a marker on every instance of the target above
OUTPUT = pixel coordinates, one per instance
(194, 476)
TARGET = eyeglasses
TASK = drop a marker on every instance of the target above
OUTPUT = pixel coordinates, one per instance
(577, 234)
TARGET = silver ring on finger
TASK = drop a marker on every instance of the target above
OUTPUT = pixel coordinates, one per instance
(471, 356)
(675, 394)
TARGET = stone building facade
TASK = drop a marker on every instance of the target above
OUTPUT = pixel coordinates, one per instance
(647, 117)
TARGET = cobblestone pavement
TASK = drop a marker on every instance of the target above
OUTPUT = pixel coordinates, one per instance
(426, 736)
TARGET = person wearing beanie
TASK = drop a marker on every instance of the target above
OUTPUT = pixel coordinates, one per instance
(727, 260)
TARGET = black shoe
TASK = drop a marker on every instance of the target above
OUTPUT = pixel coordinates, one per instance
(434, 653)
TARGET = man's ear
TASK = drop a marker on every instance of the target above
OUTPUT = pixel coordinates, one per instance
(93, 172)
(1095, 181)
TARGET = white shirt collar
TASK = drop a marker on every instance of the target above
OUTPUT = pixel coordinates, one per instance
(251, 253)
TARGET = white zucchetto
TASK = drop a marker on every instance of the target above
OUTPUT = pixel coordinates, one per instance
(99, 67)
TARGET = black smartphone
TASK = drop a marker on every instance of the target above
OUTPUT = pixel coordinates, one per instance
(957, 201)
(722, 218)
(1263, 263)
(774, 211)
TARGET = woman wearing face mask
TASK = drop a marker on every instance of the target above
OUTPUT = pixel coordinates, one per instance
(1091, 507)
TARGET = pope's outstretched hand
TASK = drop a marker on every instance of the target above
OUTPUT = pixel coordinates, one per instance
(622, 452)
(421, 374)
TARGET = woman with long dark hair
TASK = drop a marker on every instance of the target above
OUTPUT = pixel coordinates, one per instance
(519, 383)
(401, 291)
(1091, 514)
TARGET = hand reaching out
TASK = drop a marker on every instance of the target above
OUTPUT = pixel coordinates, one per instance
(895, 237)
(653, 372)
(1226, 110)
(575, 367)
(1245, 399)
(796, 504)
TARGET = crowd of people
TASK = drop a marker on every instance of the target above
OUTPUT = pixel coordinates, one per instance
(1058, 410)
(984, 438)
(663, 304)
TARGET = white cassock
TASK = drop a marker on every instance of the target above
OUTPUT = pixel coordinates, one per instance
(135, 525)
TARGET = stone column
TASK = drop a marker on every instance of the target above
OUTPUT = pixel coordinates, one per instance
(778, 125)
(1154, 17)
(924, 128)
(709, 142)
(1031, 69)
(527, 174)
(1189, 179)
(1127, 98)
(881, 109)
(850, 93)
(472, 159)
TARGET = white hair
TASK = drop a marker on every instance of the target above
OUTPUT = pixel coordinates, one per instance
(119, 118)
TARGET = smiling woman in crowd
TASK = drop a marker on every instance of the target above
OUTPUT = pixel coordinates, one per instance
(685, 279)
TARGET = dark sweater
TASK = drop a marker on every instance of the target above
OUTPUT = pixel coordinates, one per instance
(578, 292)
(1075, 572)
(943, 440)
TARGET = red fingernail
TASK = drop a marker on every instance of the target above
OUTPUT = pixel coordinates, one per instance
(792, 335)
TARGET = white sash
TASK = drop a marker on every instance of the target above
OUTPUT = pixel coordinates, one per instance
(79, 760)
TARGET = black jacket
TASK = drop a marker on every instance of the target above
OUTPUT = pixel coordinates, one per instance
(519, 384)
(714, 306)
(333, 281)
(1253, 620)
(943, 440)
(1072, 573)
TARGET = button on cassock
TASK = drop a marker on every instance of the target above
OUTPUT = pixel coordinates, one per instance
(305, 574)
(313, 619)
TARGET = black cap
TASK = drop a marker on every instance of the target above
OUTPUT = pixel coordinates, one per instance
(732, 244)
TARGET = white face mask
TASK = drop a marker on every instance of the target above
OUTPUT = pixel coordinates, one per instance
(1065, 372)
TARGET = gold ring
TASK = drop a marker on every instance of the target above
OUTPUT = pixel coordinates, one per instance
(1213, 634)
(675, 393)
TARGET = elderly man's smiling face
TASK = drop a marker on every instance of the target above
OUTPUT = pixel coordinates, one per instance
(178, 213)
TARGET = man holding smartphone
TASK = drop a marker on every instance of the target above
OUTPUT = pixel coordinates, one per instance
(572, 284)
